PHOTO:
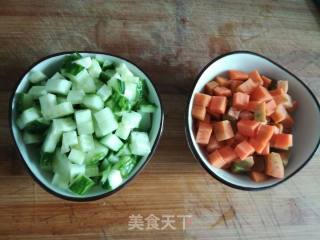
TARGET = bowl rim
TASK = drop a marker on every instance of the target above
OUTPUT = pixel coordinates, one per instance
(195, 152)
(106, 194)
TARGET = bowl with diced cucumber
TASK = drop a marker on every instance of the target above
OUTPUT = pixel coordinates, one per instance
(85, 123)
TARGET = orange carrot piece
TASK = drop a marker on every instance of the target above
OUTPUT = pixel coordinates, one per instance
(223, 82)
(240, 100)
(266, 81)
(238, 137)
(201, 99)
(258, 176)
(204, 133)
(223, 130)
(213, 144)
(228, 154)
(237, 75)
(258, 145)
(246, 115)
(274, 165)
(252, 105)
(260, 94)
(198, 112)
(247, 127)
(283, 84)
(234, 84)
(218, 104)
(264, 133)
(279, 114)
(222, 91)
(247, 86)
(270, 107)
(266, 150)
(244, 150)
(277, 91)
(255, 76)
(216, 159)
(282, 141)
(210, 86)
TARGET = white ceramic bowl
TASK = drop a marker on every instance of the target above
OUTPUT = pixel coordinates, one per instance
(307, 118)
(50, 65)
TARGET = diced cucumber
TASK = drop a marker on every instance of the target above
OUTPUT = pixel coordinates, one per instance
(60, 164)
(51, 140)
(104, 92)
(105, 174)
(68, 139)
(37, 91)
(104, 164)
(95, 69)
(106, 75)
(112, 158)
(107, 64)
(88, 86)
(123, 70)
(31, 138)
(36, 76)
(59, 86)
(61, 110)
(93, 102)
(84, 121)
(115, 83)
(106, 121)
(98, 83)
(81, 184)
(76, 169)
(47, 104)
(46, 161)
(92, 171)
(60, 181)
(28, 116)
(37, 126)
(131, 119)
(85, 62)
(57, 75)
(112, 141)
(125, 165)
(130, 90)
(114, 178)
(75, 96)
(76, 156)
(23, 101)
(80, 77)
(124, 150)
(61, 99)
(242, 166)
(97, 154)
(139, 143)
(148, 108)
(145, 123)
(64, 124)
(123, 131)
(86, 142)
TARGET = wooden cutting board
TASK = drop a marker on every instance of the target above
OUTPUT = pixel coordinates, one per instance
(171, 41)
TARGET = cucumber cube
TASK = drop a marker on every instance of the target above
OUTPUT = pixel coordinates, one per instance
(131, 119)
(36, 76)
(59, 86)
(86, 142)
(84, 121)
(75, 96)
(93, 102)
(140, 144)
(104, 92)
(123, 131)
(112, 141)
(84, 62)
(106, 121)
(76, 156)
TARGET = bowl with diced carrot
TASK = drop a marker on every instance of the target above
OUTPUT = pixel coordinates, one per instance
(250, 122)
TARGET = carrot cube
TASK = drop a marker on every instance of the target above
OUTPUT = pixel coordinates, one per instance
(223, 82)
(255, 76)
(218, 104)
(265, 133)
(244, 150)
(222, 91)
(282, 141)
(258, 176)
(204, 133)
(201, 99)
(198, 112)
(228, 154)
(216, 159)
(247, 86)
(240, 100)
(270, 107)
(223, 130)
(247, 127)
(237, 75)
(266, 81)
(258, 145)
(266, 150)
(213, 144)
(210, 86)
(252, 105)
(260, 94)
(234, 84)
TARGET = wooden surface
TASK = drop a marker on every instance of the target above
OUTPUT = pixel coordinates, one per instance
(171, 41)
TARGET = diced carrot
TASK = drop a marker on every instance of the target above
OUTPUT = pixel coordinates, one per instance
(201, 99)
(244, 150)
(213, 144)
(216, 159)
(252, 105)
(279, 114)
(223, 82)
(258, 176)
(198, 112)
(264, 133)
(259, 164)
(239, 137)
(274, 165)
(233, 113)
(260, 112)
(247, 127)
(237, 75)
(240, 100)
(218, 104)
(204, 133)
(266, 81)
(260, 94)
(222, 91)
(266, 150)
(228, 154)
(277, 91)
(282, 141)
(210, 86)
(234, 84)
(246, 115)
(294, 106)
(270, 107)
(223, 130)
(288, 122)
(247, 86)
(258, 145)
(255, 76)
(283, 84)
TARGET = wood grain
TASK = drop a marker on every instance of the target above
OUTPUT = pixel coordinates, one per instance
(171, 41)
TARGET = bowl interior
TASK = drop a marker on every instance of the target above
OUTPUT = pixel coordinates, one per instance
(30, 154)
(307, 117)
